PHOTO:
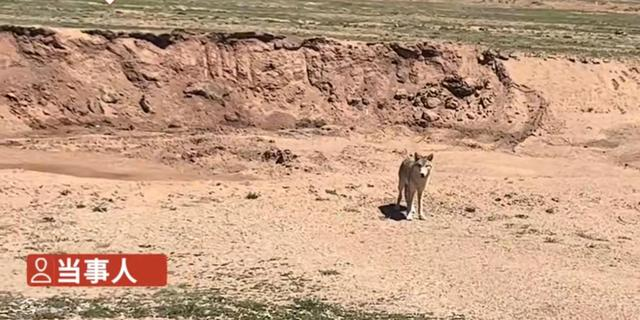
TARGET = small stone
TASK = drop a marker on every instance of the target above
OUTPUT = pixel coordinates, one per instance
(145, 105)
(550, 210)
(470, 209)
(458, 86)
(12, 96)
(433, 92)
(211, 91)
(150, 75)
(354, 101)
(95, 106)
(282, 157)
(422, 123)
(433, 103)
(470, 116)
(502, 56)
(486, 102)
(452, 104)
(109, 97)
(401, 94)
(232, 117)
(430, 116)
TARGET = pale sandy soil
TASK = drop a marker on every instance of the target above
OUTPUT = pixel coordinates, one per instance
(507, 236)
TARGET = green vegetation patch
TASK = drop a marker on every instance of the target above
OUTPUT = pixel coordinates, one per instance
(185, 304)
(520, 28)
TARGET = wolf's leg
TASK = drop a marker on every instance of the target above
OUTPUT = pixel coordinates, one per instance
(420, 216)
(408, 194)
(401, 187)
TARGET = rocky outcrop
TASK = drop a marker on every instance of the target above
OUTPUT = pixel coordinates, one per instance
(243, 79)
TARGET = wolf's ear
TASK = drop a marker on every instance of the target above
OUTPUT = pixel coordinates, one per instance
(430, 157)
(417, 156)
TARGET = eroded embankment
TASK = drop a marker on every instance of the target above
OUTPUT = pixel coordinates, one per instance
(62, 79)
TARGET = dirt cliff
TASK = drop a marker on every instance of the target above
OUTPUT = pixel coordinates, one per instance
(61, 79)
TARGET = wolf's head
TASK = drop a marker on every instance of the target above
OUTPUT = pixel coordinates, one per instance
(424, 163)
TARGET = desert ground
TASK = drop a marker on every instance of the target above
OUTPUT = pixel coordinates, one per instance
(265, 165)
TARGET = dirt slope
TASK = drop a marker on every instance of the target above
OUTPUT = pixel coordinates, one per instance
(63, 79)
(594, 103)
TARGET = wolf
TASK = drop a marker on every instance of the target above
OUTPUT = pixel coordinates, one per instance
(414, 175)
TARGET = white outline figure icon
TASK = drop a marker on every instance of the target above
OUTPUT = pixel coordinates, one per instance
(124, 271)
(109, 1)
(40, 273)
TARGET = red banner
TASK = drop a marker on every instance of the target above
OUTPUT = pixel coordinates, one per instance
(97, 270)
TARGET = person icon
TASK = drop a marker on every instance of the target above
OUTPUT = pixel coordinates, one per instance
(40, 276)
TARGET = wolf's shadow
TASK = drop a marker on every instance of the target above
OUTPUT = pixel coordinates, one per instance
(391, 212)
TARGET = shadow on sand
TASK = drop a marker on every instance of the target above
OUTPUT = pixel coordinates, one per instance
(391, 212)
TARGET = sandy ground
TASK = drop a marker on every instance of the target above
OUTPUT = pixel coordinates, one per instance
(507, 236)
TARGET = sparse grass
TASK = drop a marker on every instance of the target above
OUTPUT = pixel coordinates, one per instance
(97, 310)
(186, 304)
(99, 208)
(253, 195)
(518, 27)
(588, 236)
(330, 272)
(351, 210)
(527, 229)
(331, 192)
(311, 123)
(496, 217)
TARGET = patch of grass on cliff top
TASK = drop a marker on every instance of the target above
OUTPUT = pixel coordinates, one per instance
(533, 29)
(184, 304)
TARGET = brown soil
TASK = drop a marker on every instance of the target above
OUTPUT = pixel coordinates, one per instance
(532, 212)
(138, 82)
